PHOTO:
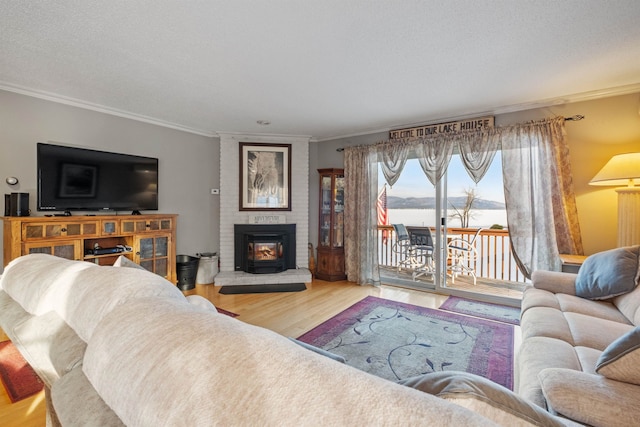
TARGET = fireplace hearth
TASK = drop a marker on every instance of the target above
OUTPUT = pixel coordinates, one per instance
(264, 248)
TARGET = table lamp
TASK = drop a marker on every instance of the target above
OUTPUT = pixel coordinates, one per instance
(624, 170)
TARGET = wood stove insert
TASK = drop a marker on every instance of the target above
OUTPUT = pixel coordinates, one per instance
(264, 248)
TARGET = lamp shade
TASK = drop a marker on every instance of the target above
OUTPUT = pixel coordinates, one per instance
(622, 169)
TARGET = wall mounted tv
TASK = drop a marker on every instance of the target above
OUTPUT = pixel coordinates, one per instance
(71, 178)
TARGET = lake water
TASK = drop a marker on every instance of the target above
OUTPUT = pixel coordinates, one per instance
(427, 218)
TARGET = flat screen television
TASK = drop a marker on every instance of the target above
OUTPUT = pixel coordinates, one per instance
(80, 179)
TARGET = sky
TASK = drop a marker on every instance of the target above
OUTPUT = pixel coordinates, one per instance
(413, 182)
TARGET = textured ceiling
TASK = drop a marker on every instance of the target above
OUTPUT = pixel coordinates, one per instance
(322, 68)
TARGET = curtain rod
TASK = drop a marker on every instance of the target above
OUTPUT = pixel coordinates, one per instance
(575, 118)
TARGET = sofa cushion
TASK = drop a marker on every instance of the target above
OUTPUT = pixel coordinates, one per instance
(483, 397)
(319, 350)
(40, 282)
(157, 361)
(590, 399)
(590, 331)
(50, 346)
(595, 308)
(123, 261)
(588, 358)
(77, 403)
(554, 281)
(201, 302)
(629, 305)
(536, 354)
(98, 290)
(545, 322)
(608, 274)
(11, 314)
(621, 359)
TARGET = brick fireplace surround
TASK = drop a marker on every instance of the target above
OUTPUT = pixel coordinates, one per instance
(230, 213)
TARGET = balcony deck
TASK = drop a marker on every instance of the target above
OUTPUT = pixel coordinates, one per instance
(495, 268)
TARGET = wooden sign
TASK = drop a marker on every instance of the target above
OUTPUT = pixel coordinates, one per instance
(427, 130)
(267, 219)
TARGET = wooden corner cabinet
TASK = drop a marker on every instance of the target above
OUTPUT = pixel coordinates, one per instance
(148, 240)
(330, 264)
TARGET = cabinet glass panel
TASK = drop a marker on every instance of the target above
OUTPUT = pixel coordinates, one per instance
(33, 231)
(165, 224)
(154, 225)
(325, 211)
(90, 229)
(338, 207)
(146, 249)
(64, 251)
(161, 267)
(162, 246)
(45, 250)
(147, 265)
(109, 227)
(74, 229)
(127, 227)
(53, 230)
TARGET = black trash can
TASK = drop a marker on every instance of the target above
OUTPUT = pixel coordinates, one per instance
(187, 268)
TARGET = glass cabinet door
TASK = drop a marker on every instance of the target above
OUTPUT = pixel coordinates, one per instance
(338, 211)
(325, 210)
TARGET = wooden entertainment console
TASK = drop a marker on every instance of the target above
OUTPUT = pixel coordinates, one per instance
(151, 238)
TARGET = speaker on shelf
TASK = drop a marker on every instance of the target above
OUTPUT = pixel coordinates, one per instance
(16, 204)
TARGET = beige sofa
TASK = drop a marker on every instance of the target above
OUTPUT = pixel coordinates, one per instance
(122, 346)
(581, 357)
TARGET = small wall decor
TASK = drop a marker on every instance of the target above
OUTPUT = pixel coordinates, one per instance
(265, 177)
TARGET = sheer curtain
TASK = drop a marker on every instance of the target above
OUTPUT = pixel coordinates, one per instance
(392, 160)
(361, 219)
(434, 155)
(541, 209)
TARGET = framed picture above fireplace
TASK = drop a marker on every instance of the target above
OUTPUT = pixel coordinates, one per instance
(265, 177)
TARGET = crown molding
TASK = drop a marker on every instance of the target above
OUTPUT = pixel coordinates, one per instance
(48, 96)
(560, 100)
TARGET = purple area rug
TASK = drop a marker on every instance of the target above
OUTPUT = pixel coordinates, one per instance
(228, 313)
(486, 310)
(18, 377)
(394, 340)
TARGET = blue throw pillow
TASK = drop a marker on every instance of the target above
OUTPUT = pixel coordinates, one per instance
(608, 274)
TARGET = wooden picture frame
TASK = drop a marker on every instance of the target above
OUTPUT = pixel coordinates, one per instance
(265, 177)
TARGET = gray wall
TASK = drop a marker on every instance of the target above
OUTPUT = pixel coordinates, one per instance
(188, 163)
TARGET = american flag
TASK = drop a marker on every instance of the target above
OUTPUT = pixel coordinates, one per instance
(383, 215)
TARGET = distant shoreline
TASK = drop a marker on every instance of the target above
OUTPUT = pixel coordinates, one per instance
(484, 218)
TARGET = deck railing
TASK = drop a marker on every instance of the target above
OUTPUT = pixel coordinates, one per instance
(494, 258)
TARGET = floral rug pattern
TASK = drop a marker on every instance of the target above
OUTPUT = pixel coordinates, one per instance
(394, 340)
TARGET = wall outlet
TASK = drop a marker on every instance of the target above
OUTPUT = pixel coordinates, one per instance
(215, 191)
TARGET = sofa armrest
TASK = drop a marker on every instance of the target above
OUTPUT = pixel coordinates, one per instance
(554, 281)
(590, 399)
(485, 398)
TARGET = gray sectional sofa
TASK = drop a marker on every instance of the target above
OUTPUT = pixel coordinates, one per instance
(121, 346)
(580, 351)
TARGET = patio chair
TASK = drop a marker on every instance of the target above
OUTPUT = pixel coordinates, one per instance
(462, 256)
(414, 250)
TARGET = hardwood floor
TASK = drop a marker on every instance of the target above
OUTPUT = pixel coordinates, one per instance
(291, 314)
(294, 313)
